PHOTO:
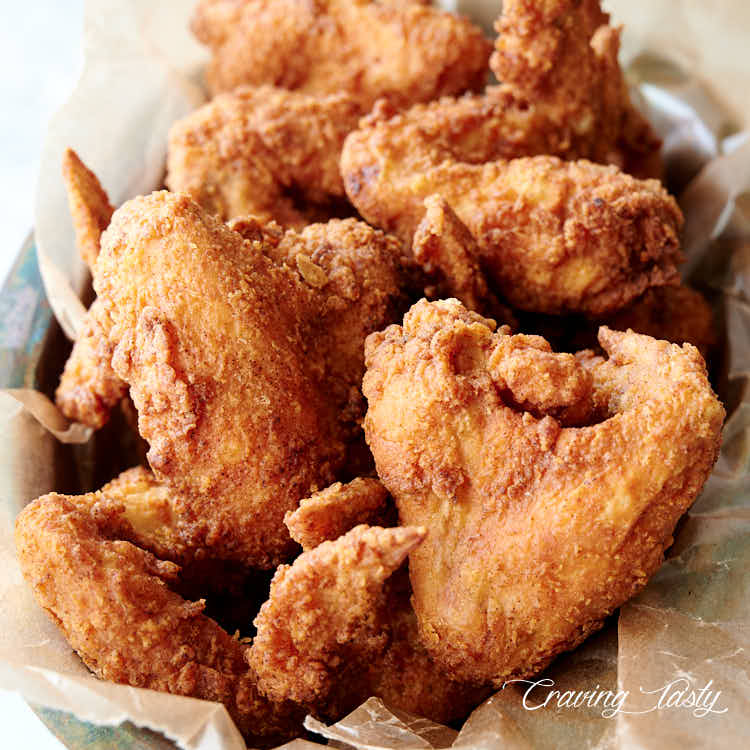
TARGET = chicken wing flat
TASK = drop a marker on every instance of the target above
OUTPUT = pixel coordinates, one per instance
(89, 388)
(114, 604)
(553, 236)
(262, 151)
(246, 405)
(338, 628)
(562, 94)
(405, 51)
(536, 531)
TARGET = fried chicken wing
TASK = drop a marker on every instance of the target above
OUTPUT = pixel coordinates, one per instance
(406, 51)
(557, 60)
(248, 402)
(114, 604)
(338, 628)
(262, 151)
(89, 388)
(536, 531)
(89, 205)
(675, 313)
(324, 609)
(330, 513)
(450, 256)
(562, 93)
(554, 236)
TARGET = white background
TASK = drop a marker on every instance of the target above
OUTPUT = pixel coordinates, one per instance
(40, 61)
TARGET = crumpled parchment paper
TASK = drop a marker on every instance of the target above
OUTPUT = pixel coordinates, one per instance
(672, 670)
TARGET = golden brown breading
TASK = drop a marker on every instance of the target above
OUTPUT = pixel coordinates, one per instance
(536, 532)
(356, 273)
(405, 676)
(554, 236)
(330, 513)
(449, 255)
(324, 609)
(89, 205)
(247, 402)
(150, 510)
(335, 632)
(558, 61)
(89, 388)
(113, 603)
(562, 94)
(407, 51)
(261, 150)
(675, 313)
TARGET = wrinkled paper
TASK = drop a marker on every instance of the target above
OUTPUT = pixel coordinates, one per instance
(686, 632)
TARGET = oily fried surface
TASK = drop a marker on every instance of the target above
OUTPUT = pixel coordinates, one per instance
(330, 513)
(89, 205)
(89, 388)
(562, 94)
(356, 273)
(450, 257)
(536, 531)
(113, 603)
(557, 59)
(554, 236)
(244, 402)
(406, 51)
(325, 608)
(262, 151)
(338, 628)
(675, 313)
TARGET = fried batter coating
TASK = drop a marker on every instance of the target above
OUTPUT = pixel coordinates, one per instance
(554, 236)
(562, 94)
(536, 532)
(558, 61)
(330, 513)
(260, 150)
(113, 603)
(89, 388)
(335, 632)
(149, 508)
(449, 255)
(89, 205)
(248, 402)
(324, 609)
(406, 51)
(675, 313)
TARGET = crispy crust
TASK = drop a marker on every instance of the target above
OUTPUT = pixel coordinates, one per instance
(113, 603)
(330, 513)
(554, 236)
(260, 150)
(89, 388)
(406, 51)
(249, 403)
(536, 532)
(450, 257)
(90, 208)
